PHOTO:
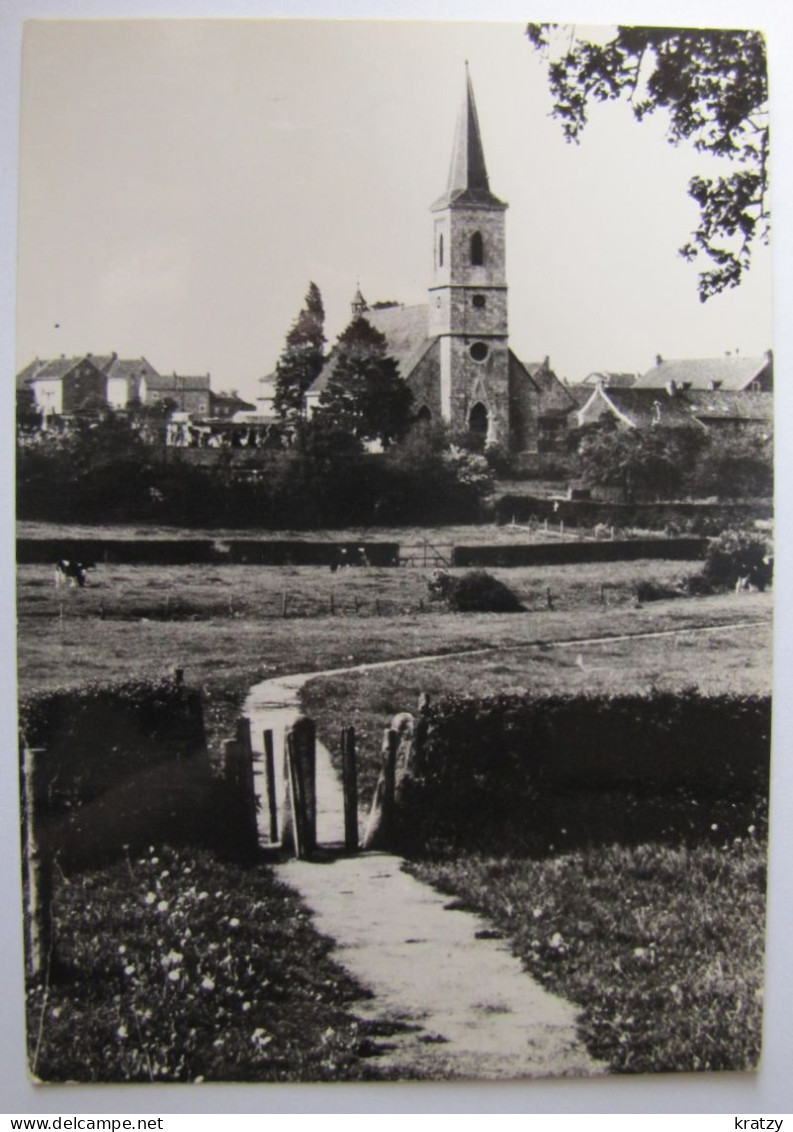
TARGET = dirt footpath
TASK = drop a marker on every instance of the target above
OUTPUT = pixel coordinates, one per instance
(448, 998)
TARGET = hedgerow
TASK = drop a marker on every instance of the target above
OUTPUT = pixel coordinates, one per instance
(572, 770)
(95, 735)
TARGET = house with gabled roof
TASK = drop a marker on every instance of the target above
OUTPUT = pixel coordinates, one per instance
(453, 351)
(610, 379)
(732, 373)
(185, 393)
(64, 385)
(676, 408)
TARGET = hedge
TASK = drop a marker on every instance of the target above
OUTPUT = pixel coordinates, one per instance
(179, 552)
(559, 553)
(700, 518)
(595, 766)
(97, 735)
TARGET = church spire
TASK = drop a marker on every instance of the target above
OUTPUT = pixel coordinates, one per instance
(468, 182)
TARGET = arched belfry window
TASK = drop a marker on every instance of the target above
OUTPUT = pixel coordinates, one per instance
(477, 250)
(440, 250)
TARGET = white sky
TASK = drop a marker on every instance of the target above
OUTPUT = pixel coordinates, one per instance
(181, 182)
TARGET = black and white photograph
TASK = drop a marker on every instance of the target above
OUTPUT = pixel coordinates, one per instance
(395, 549)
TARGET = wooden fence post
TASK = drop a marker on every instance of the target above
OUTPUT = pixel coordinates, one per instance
(238, 767)
(294, 823)
(380, 826)
(269, 771)
(302, 762)
(349, 772)
(420, 733)
(37, 870)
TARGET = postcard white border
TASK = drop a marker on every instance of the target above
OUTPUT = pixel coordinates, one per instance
(768, 1092)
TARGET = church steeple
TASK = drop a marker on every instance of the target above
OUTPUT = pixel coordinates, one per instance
(468, 291)
(468, 181)
(358, 306)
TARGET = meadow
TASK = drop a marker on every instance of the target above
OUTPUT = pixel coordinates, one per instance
(609, 928)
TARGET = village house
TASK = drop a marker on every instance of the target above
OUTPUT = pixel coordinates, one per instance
(182, 393)
(675, 407)
(94, 382)
(732, 372)
(83, 384)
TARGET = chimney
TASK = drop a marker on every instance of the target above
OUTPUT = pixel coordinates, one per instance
(658, 359)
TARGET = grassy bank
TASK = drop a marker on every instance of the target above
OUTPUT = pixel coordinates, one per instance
(661, 947)
(368, 700)
(174, 966)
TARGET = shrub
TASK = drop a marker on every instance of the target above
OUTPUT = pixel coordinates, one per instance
(480, 592)
(649, 590)
(734, 554)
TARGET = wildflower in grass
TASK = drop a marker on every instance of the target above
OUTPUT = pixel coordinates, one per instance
(162, 906)
(246, 1007)
(260, 1038)
(130, 969)
(172, 959)
(122, 1031)
(175, 974)
(150, 897)
(234, 922)
(207, 984)
(203, 895)
(122, 947)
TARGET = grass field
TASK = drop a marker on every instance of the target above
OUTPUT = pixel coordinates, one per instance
(463, 534)
(225, 627)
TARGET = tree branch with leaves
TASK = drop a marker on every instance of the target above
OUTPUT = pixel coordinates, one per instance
(713, 85)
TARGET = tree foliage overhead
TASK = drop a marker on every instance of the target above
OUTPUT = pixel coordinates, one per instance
(302, 357)
(713, 84)
(365, 394)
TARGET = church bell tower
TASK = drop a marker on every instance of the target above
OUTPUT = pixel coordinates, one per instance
(468, 293)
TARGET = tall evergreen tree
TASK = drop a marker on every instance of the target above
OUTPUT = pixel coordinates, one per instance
(365, 394)
(302, 357)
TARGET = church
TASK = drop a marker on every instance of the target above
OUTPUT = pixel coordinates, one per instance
(454, 350)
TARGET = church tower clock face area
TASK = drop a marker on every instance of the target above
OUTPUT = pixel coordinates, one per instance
(468, 292)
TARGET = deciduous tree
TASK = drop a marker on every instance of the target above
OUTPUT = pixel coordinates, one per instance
(713, 85)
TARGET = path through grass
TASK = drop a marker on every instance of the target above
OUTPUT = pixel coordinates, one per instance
(662, 947)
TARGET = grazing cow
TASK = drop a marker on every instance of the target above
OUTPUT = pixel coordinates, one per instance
(439, 585)
(760, 575)
(70, 571)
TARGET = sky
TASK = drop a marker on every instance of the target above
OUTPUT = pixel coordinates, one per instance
(181, 182)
